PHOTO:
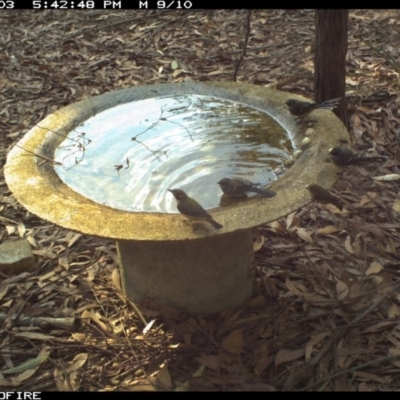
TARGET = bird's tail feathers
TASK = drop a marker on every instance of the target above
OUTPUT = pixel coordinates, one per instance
(369, 160)
(215, 224)
(263, 192)
(330, 104)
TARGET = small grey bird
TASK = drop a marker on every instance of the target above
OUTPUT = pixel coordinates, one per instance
(344, 156)
(301, 108)
(321, 195)
(239, 187)
(192, 209)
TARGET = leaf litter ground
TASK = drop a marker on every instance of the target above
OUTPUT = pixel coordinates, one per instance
(325, 310)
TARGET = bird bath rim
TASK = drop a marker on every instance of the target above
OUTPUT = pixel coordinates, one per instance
(36, 185)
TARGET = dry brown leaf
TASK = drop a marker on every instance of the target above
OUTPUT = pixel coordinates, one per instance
(358, 247)
(385, 284)
(31, 240)
(59, 380)
(341, 359)
(116, 280)
(97, 318)
(393, 311)
(396, 206)
(257, 387)
(262, 362)
(367, 198)
(233, 343)
(390, 247)
(394, 351)
(73, 371)
(285, 355)
(213, 73)
(353, 271)
(276, 226)
(292, 288)
(210, 361)
(21, 229)
(47, 276)
(373, 377)
(348, 246)
(75, 379)
(73, 240)
(16, 381)
(374, 268)
(142, 388)
(35, 335)
(304, 235)
(290, 219)
(357, 126)
(388, 177)
(78, 361)
(111, 254)
(176, 73)
(3, 291)
(10, 229)
(327, 230)
(64, 262)
(355, 289)
(259, 243)
(342, 290)
(315, 339)
(163, 379)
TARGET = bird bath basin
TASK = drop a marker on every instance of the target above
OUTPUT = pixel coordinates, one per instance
(103, 167)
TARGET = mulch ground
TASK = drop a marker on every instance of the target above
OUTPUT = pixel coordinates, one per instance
(325, 310)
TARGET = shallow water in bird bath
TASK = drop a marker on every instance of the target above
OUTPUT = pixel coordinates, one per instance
(128, 156)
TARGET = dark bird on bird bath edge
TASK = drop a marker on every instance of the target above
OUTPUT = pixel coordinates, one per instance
(343, 156)
(301, 108)
(192, 209)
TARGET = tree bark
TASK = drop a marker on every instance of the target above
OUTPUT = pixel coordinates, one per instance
(330, 57)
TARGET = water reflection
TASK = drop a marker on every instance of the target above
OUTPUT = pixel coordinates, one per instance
(140, 149)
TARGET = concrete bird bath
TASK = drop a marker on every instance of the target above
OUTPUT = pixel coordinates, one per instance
(117, 193)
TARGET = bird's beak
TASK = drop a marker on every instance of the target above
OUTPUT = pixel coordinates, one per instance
(169, 190)
(329, 151)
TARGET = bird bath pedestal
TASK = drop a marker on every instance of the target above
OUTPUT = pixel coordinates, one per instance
(162, 257)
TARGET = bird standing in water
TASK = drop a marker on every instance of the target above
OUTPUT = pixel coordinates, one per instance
(192, 209)
(239, 187)
(321, 195)
(343, 156)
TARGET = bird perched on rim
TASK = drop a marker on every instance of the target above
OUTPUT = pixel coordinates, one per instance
(301, 108)
(343, 156)
(240, 186)
(321, 195)
(191, 208)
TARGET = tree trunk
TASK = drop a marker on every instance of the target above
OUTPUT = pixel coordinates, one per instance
(330, 57)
